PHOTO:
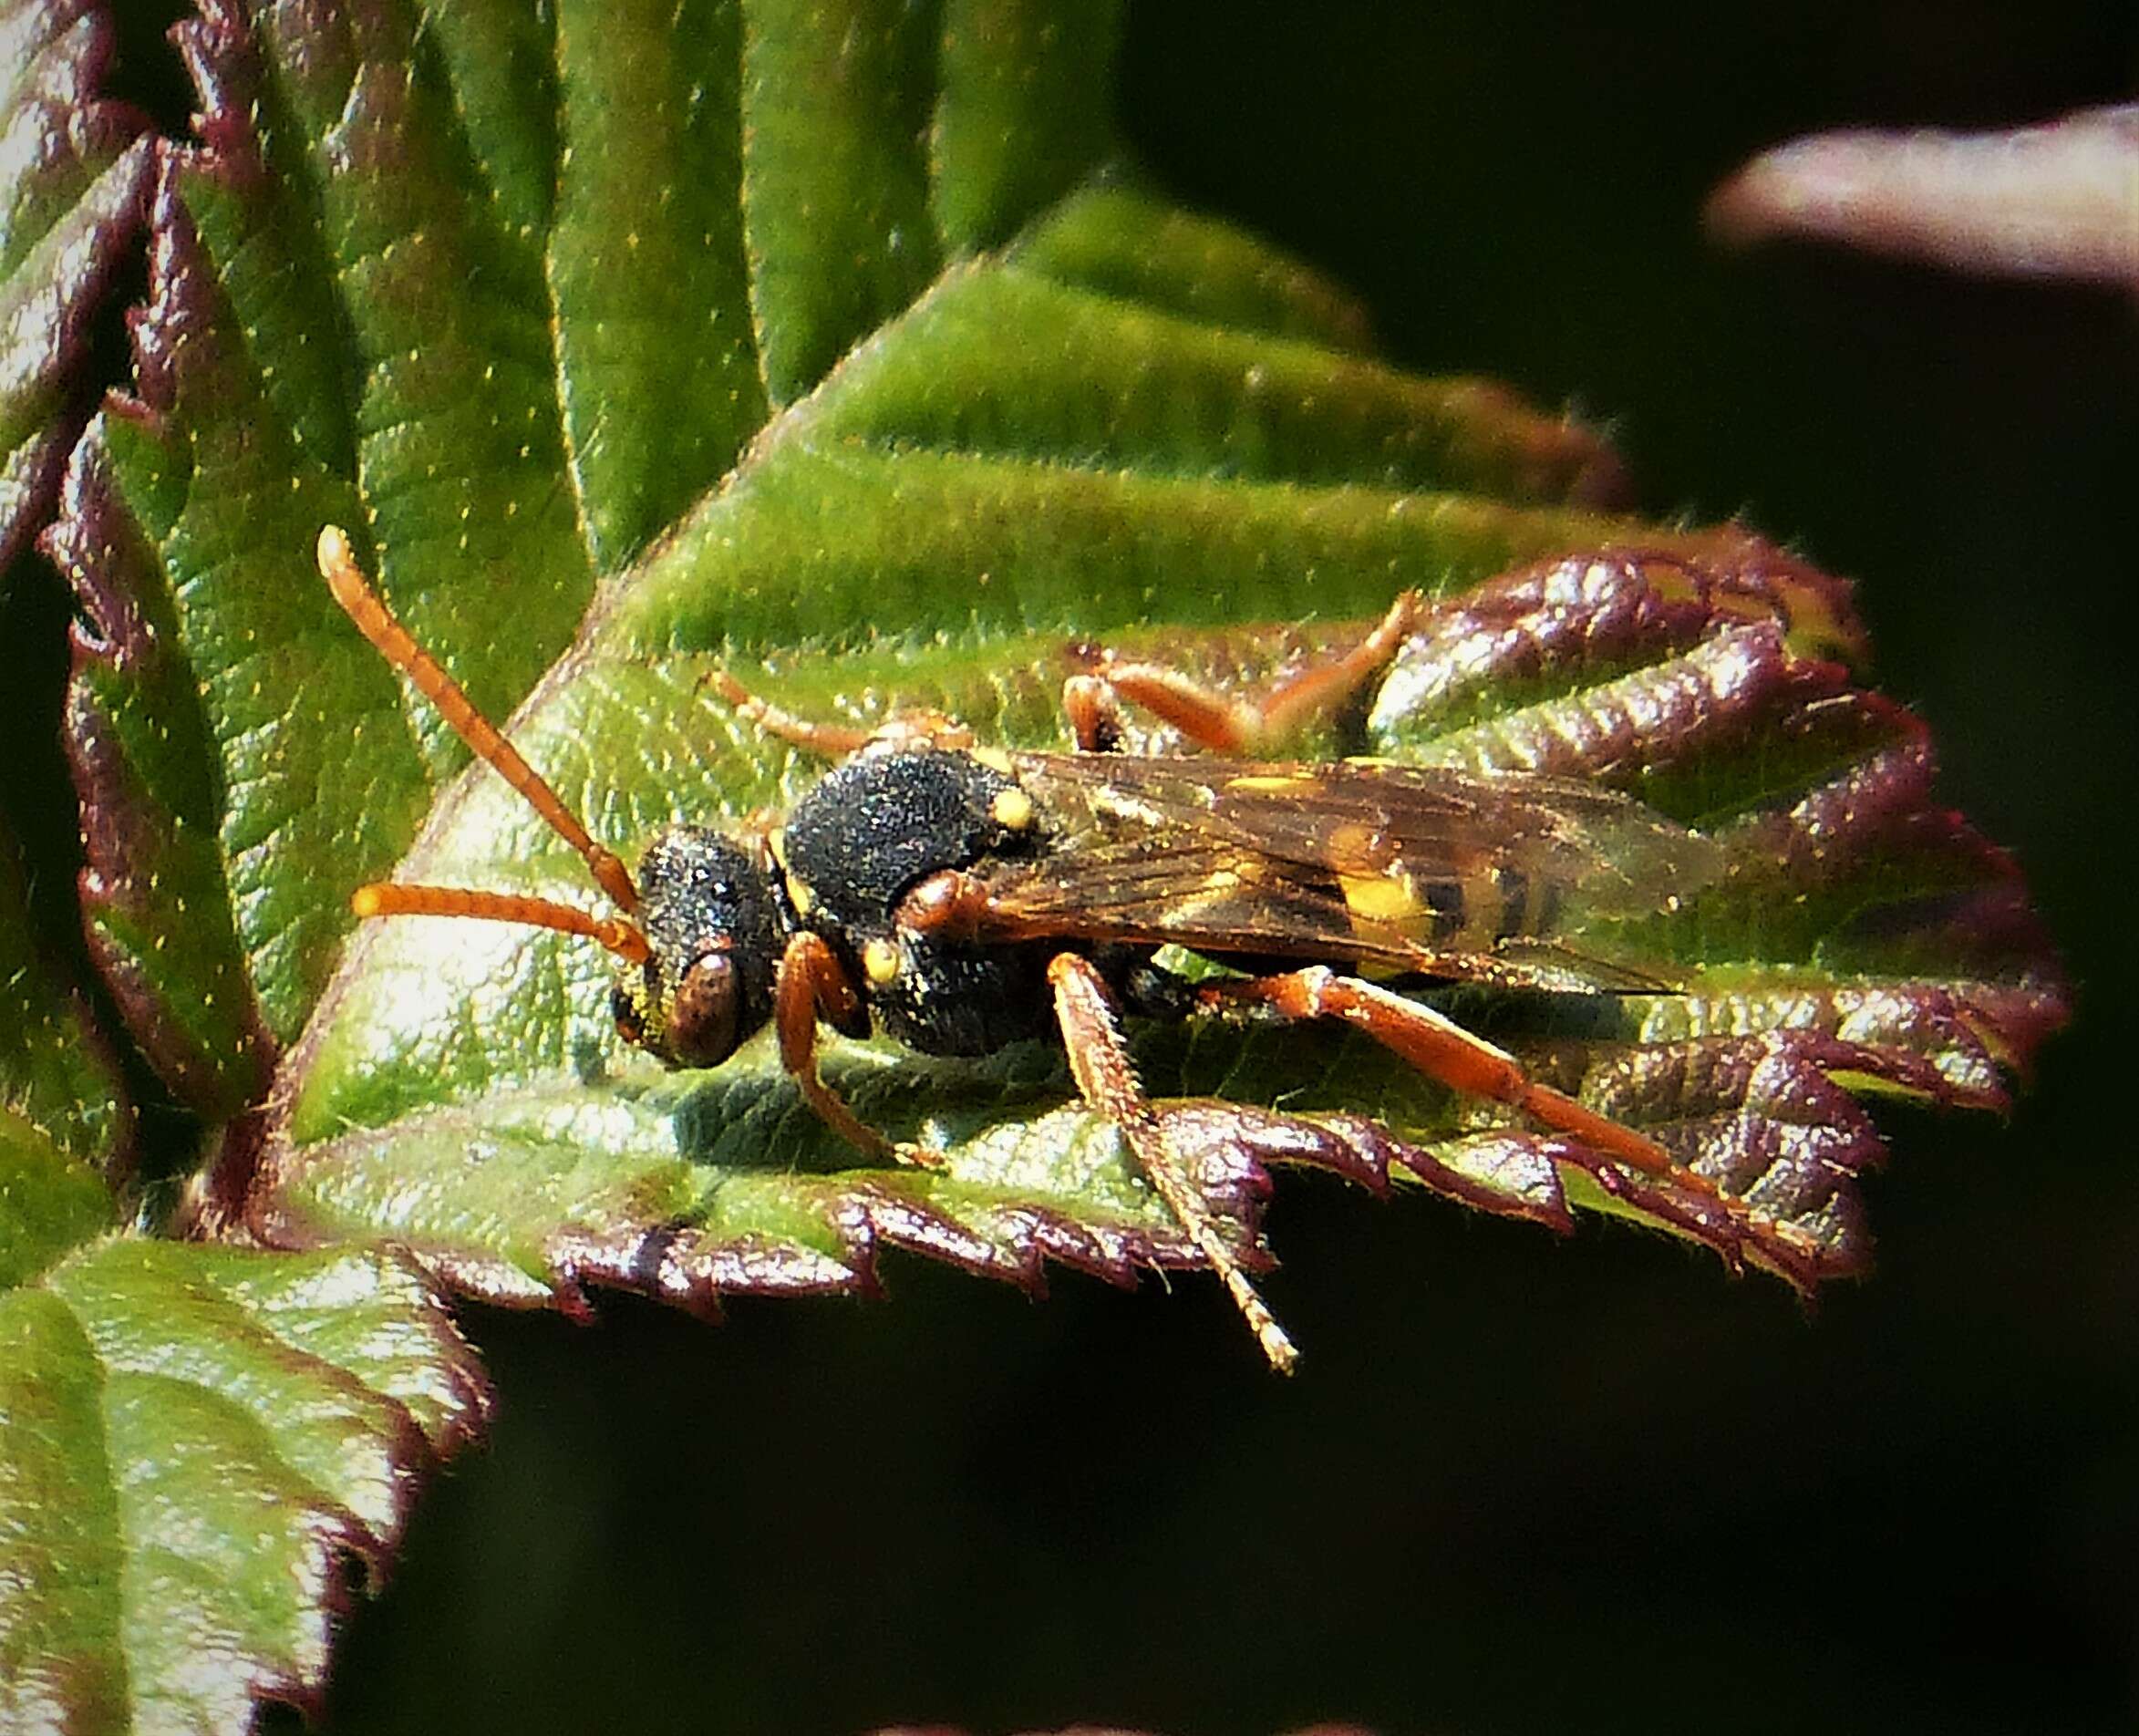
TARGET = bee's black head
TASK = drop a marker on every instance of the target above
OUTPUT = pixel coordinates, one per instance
(710, 914)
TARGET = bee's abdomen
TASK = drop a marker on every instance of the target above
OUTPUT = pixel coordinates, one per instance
(1468, 913)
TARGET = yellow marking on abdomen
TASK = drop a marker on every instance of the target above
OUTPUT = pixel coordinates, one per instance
(1501, 904)
(1385, 907)
(1387, 900)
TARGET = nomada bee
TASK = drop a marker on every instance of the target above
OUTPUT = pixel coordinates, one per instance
(959, 898)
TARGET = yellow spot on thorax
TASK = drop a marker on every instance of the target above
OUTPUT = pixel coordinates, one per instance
(798, 892)
(880, 962)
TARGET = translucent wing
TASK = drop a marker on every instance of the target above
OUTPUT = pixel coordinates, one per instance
(1407, 867)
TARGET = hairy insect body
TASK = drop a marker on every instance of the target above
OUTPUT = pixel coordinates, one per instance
(863, 839)
(1384, 869)
(960, 898)
(718, 912)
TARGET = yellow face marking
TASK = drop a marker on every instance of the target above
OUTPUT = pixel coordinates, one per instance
(994, 759)
(1272, 784)
(879, 963)
(1011, 810)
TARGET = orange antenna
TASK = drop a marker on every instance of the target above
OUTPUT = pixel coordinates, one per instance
(345, 578)
(383, 898)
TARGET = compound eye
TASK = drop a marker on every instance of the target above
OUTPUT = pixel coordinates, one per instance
(706, 1017)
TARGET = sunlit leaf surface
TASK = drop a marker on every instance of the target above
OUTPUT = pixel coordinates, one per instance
(832, 348)
(1007, 399)
(72, 175)
(201, 1446)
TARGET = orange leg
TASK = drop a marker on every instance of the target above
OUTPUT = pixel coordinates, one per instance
(810, 988)
(1093, 709)
(1239, 724)
(836, 741)
(1100, 1062)
(1442, 1050)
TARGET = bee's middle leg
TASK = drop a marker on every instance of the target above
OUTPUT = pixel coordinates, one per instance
(1242, 723)
(1100, 1062)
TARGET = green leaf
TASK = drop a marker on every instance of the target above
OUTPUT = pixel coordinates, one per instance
(387, 294)
(196, 1441)
(834, 348)
(72, 177)
(64, 1126)
(881, 410)
(50, 1201)
(525, 1146)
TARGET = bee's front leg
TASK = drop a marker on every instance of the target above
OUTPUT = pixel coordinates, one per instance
(811, 987)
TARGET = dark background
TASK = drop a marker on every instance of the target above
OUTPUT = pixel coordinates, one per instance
(1520, 1484)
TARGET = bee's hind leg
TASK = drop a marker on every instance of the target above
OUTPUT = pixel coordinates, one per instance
(1442, 1050)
